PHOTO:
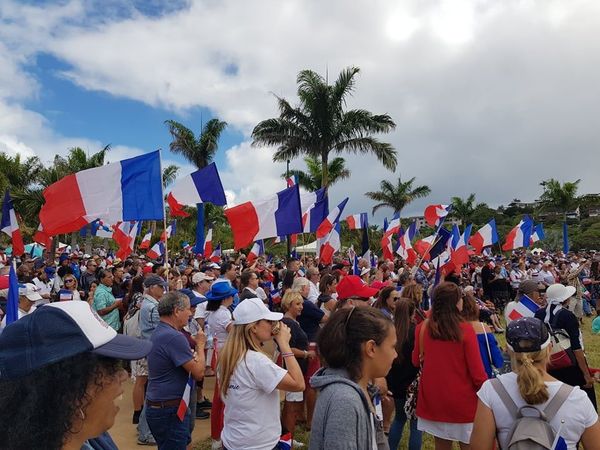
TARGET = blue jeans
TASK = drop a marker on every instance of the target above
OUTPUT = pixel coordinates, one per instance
(414, 440)
(169, 432)
(143, 429)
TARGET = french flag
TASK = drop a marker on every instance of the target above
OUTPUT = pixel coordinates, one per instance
(387, 241)
(292, 181)
(208, 248)
(538, 233)
(258, 249)
(279, 215)
(422, 246)
(285, 441)
(127, 190)
(332, 219)
(10, 225)
(357, 221)
(216, 255)
(315, 208)
(146, 240)
(201, 186)
(42, 238)
(525, 307)
(170, 231)
(459, 245)
(185, 398)
(126, 233)
(329, 245)
(156, 251)
(405, 249)
(519, 236)
(434, 214)
(486, 236)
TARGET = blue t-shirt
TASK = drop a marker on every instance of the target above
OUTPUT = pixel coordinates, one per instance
(166, 377)
(309, 319)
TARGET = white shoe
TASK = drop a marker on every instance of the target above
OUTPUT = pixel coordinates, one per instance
(296, 444)
(216, 445)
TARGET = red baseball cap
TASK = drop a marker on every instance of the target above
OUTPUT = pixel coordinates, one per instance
(353, 286)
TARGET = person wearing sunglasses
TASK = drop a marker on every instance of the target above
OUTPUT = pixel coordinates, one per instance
(70, 286)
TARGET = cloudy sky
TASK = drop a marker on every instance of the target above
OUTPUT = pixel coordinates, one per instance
(488, 96)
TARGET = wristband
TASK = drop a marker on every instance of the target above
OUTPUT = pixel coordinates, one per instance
(286, 355)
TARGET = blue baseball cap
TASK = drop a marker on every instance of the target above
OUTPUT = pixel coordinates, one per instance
(194, 300)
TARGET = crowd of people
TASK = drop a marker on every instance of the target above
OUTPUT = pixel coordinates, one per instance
(358, 359)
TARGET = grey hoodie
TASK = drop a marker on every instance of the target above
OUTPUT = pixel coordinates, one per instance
(342, 415)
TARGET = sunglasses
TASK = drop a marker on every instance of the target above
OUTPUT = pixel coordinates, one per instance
(69, 281)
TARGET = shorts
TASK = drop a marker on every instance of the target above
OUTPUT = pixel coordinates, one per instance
(139, 368)
(294, 396)
(460, 432)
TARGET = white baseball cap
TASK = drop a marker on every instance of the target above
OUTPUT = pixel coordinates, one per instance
(198, 277)
(252, 310)
(31, 291)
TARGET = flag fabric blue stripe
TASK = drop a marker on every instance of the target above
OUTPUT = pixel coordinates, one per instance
(141, 186)
(494, 231)
(530, 304)
(12, 303)
(439, 247)
(565, 238)
(199, 247)
(288, 216)
(209, 186)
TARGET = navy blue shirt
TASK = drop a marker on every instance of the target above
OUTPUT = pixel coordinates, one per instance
(166, 377)
(309, 319)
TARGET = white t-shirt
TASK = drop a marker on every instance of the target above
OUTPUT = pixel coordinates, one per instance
(251, 419)
(201, 312)
(577, 411)
(20, 314)
(218, 321)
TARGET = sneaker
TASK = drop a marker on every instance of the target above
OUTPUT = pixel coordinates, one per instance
(296, 444)
(151, 442)
(204, 404)
(202, 415)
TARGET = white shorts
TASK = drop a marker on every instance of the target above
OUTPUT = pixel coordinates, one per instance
(294, 396)
(460, 432)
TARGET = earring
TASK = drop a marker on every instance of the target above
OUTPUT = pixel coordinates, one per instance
(81, 414)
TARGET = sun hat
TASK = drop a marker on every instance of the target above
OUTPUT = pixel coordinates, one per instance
(353, 286)
(252, 310)
(558, 293)
(199, 277)
(31, 291)
(58, 331)
(527, 334)
(220, 291)
(528, 286)
(154, 280)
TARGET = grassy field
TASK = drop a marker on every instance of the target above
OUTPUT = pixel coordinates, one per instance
(592, 345)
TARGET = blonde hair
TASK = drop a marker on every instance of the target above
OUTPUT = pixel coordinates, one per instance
(530, 377)
(288, 298)
(414, 292)
(238, 342)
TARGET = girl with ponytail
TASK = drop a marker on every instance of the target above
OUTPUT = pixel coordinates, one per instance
(530, 384)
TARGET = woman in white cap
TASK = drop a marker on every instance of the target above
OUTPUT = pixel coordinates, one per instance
(250, 381)
(566, 409)
(557, 316)
(60, 377)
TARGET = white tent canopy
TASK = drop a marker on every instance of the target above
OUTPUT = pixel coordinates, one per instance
(311, 247)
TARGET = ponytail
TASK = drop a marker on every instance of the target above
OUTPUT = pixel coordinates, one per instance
(530, 378)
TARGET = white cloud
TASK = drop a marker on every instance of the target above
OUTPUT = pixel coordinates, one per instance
(489, 97)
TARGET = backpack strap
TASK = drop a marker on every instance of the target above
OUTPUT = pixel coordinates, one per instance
(557, 401)
(505, 397)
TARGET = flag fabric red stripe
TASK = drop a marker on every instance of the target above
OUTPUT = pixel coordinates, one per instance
(175, 208)
(63, 198)
(244, 223)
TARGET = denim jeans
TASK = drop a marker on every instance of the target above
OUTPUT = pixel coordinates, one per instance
(414, 441)
(144, 433)
(169, 432)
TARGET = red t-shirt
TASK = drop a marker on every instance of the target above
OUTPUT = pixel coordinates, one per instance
(452, 374)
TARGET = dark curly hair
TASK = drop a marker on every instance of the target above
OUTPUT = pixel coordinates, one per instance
(38, 410)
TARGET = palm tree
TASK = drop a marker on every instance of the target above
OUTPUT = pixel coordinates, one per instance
(200, 150)
(465, 208)
(311, 179)
(320, 125)
(398, 196)
(562, 197)
(169, 174)
(15, 174)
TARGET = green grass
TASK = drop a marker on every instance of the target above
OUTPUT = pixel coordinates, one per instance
(592, 350)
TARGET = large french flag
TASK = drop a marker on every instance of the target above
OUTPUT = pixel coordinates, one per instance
(487, 235)
(258, 249)
(460, 248)
(42, 238)
(357, 221)
(156, 251)
(276, 216)
(146, 240)
(201, 186)
(405, 249)
(332, 219)
(315, 208)
(525, 307)
(329, 245)
(519, 236)
(208, 248)
(434, 214)
(538, 233)
(10, 225)
(127, 190)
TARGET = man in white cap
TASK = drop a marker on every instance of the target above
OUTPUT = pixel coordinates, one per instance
(28, 295)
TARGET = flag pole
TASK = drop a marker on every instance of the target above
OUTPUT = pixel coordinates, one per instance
(435, 241)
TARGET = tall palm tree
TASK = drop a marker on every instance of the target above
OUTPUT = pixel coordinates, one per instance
(169, 174)
(200, 150)
(311, 179)
(397, 196)
(465, 208)
(321, 125)
(16, 174)
(561, 197)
